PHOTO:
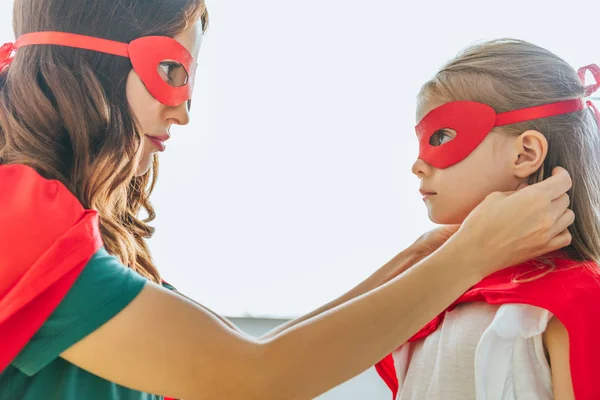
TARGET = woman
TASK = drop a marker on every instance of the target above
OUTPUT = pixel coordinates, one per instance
(87, 95)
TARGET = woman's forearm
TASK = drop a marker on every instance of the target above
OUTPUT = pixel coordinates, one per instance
(399, 263)
(372, 325)
(224, 320)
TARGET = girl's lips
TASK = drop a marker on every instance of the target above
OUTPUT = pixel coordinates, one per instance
(426, 194)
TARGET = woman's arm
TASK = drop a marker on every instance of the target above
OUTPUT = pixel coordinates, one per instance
(223, 320)
(188, 353)
(556, 340)
(424, 246)
(397, 265)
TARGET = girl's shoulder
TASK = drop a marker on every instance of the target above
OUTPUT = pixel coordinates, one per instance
(558, 284)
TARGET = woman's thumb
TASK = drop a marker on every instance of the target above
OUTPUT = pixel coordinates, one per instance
(521, 186)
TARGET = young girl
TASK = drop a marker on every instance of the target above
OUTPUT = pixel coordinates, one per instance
(502, 113)
(88, 93)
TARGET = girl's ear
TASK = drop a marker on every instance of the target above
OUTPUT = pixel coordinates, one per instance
(531, 148)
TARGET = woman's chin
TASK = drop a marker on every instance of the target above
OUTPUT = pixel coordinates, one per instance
(144, 165)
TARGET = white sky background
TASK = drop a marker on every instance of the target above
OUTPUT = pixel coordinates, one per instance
(292, 183)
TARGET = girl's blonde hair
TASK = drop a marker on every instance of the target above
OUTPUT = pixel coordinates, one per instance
(510, 74)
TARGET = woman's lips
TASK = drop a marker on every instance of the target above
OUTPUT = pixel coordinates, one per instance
(159, 141)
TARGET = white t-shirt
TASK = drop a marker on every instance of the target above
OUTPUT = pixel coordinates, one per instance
(480, 352)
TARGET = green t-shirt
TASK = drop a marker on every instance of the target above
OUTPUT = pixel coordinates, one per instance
(103, 289)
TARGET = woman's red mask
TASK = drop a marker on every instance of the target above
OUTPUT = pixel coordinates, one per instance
(473, 121)
(164, 65)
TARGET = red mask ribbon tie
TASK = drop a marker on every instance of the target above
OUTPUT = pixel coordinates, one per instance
(595, 70)
(6, 55)
(165, 66)
(592, 107)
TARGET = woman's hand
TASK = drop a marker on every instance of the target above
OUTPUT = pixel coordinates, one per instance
(509, 228)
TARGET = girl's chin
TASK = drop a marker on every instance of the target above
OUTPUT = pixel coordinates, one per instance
(446, 218)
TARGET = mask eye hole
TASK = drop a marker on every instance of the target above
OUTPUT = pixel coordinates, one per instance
(173, 73)
(442, 136)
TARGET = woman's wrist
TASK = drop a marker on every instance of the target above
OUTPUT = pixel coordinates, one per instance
(415, 253)
(397, 265)
(467, 256)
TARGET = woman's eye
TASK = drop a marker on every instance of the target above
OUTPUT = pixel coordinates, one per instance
(173, 73)
(440, 137)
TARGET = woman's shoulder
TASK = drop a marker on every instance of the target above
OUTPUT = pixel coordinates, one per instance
(46, 238)
(30, 203)
(35, 214)
(22, 184)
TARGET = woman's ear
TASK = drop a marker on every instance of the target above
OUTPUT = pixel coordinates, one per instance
(531, 148)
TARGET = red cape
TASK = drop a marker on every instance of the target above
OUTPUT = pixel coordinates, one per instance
(46, 239)
(571, 293)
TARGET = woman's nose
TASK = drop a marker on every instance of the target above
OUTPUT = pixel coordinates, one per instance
(180, 114)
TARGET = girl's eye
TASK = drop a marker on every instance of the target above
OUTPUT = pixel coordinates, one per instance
(173, 73)
(442, 136)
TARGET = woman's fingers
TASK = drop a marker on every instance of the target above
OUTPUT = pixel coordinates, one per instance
(562, 223)
(560, 205)
(559, 241)
(555, 186)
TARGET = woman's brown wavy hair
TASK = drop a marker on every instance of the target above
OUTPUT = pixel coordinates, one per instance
(64, 111)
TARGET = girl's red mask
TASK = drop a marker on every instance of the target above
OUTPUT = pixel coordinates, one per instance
(472, 122)
(149, 55)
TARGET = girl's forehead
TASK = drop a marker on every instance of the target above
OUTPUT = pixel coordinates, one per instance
(425, 104)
